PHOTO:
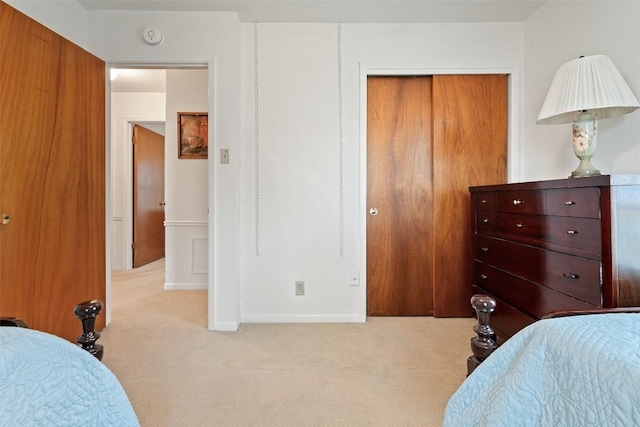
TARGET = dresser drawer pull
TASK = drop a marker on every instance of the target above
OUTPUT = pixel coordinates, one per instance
(572, 231)
(484, 201)
(569, 203)
(484, 276)
(486, 220)
(520, 225)
(484, 249)
(571, 276)
(518, 202)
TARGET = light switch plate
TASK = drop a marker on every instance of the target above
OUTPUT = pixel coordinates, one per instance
(224, 156)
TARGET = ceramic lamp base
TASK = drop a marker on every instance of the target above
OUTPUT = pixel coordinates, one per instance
(585, 132)
(585, 168)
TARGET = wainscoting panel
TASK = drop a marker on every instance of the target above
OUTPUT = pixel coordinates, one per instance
(187, 255)
(199, 255)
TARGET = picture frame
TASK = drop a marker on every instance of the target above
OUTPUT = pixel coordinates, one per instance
(193, 135)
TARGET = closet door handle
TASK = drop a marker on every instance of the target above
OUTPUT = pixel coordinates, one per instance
(5, 219)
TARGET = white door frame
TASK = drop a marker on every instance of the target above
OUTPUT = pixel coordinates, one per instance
(197, 61)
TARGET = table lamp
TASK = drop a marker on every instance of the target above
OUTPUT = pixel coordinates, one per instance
(585, 90)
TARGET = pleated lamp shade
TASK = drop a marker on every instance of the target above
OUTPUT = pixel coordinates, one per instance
(590, 83)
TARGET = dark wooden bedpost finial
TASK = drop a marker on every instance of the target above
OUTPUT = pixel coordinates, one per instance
(87, 312)
(485, 343)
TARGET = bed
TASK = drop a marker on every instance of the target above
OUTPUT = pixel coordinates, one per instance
(46, 380)
(578, 370)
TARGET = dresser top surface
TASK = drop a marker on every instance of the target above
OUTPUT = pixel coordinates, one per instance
(593, 181)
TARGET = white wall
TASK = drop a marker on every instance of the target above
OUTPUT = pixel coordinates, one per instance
(126, 107)
(291, 193)
(186, 188)
(65, 17)
(561, 31)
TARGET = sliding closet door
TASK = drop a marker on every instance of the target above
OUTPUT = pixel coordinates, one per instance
(52, 176)
(399, 197)
(470, 148)
(429, 139)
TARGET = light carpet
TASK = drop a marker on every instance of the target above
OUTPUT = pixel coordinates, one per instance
(389, 371)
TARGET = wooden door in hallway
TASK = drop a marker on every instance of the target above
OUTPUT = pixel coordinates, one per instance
(429, 139)
(52, 176)
(148, 196)
(399, 196)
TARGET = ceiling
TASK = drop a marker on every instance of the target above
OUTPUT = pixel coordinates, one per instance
(345, 11)
(329, 11)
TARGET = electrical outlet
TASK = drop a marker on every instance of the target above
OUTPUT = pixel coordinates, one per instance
(354, 280)
(299, 288)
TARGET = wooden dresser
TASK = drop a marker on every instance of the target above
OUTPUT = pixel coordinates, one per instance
(567, 244)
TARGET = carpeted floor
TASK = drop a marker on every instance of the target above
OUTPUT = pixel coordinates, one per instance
(389, 371)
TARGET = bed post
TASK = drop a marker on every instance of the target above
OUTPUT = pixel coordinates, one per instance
(485, 343)
(87, 312)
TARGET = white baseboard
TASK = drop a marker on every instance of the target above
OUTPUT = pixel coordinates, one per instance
(301, 318)
(225, 326)
(186, 286)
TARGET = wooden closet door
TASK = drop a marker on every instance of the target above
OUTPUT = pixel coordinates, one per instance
(28, 70)
(428, 140)
(400, 234)
(470, 148)
(52, 176)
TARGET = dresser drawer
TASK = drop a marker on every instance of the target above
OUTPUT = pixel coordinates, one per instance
(571, 275)
(485, 221)
(527, 201)
(580, 233)
(535, 300)
(484, 201)
(576, 202)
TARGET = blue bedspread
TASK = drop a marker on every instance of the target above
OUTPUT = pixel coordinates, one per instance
(571, 371)
(48, 381)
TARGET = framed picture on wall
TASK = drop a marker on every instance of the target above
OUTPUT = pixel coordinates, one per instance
(193, 135)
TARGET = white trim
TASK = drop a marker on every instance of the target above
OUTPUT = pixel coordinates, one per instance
(302, 318)
(514, 153)
(225, 326)
(185, 286)
(212, 166)
(186, 223)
